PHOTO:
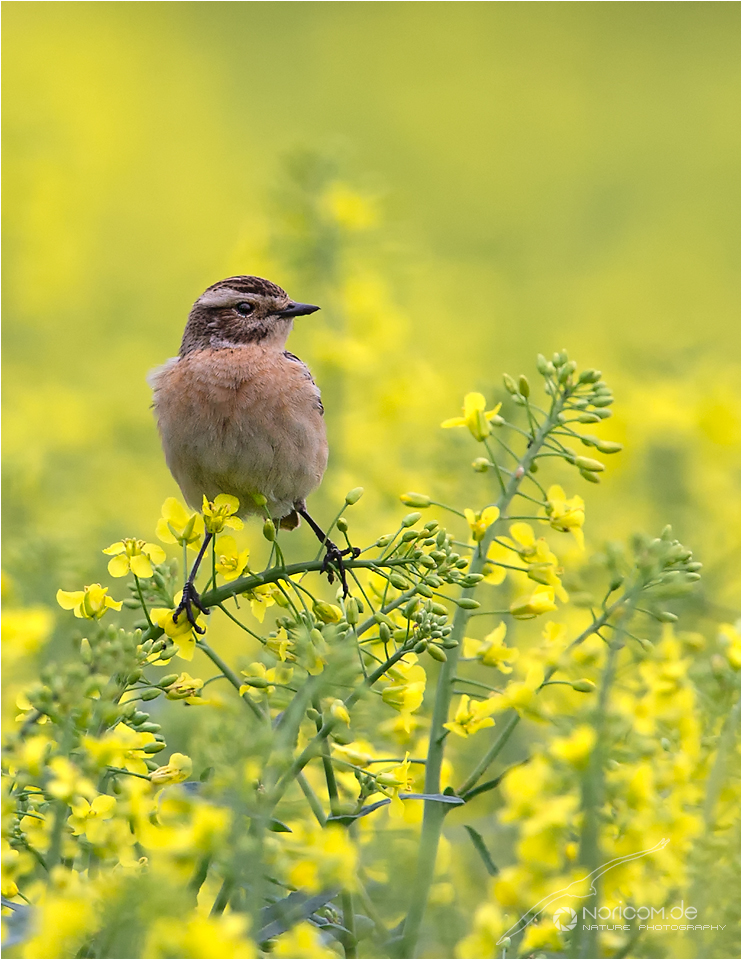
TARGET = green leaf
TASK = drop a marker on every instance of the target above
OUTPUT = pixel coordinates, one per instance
(481, 848)
(278, 826)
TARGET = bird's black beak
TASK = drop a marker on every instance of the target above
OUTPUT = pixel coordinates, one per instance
(297, 310)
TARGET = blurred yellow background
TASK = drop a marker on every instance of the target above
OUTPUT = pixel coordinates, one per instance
(481, 182)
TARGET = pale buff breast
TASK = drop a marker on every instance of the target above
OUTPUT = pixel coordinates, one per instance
(241, 420)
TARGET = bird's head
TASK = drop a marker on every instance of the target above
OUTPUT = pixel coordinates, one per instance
(238, 311)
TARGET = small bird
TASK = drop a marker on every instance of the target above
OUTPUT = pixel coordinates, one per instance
(239, 414)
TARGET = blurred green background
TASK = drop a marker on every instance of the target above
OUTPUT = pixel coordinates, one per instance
(541, 175)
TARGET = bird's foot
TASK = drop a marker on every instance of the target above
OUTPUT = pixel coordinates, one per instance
(333, 562)
(188, 601)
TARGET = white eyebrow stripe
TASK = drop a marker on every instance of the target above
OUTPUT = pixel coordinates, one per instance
(222, 297)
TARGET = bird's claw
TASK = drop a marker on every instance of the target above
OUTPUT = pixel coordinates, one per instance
(188, 601)
(334, 559)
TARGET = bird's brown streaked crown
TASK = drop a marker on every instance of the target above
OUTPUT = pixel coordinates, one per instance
(240, 310)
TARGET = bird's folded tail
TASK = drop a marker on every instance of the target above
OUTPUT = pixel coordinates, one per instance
(290, 522)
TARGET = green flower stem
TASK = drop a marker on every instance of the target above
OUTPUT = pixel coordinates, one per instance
(141, 600)
(212, 598)
(311, 749)
(231, 676)
(435, 813)
(312, 799)
(491, 755)
(497, 746)
(585, 942)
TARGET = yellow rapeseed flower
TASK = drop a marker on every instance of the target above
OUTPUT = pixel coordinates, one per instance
(471, 716)
(479, 522)
(406, 691)
(88, 818)
(177, 525)
(576, 748)
(566, 515)
(185, 688)
(177, 770)
(90, 603)
(475, 417)
(540, 601)
(230, 560)
(492, 651)
(135, 555)
(390, 782)
(219, 513)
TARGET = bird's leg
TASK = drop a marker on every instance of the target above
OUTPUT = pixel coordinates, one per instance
(190, 598)
(333, 555)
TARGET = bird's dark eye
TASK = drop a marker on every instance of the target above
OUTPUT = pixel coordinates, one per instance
(244, 308)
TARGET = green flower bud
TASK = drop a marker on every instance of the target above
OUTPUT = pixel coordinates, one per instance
(419, 500)
(380, 617)
(604, 414)
(134, 676)
(385, 634)
(342, 525)
(86, 652)
(609, 446)
(409, 535)
(664, 616)
(590, 477)
(481, 465)
(316, 636)
(431, 526)
(524, 387)
(258, 499)
(533, 468)
(131, 604)
(602, 400)
(257, 682)
(313, 714)
(168, 679)
(128, 710)
(592, 466)
(589, 418)
(327, 612)
(437, 654)
(353, 496)
(466, 603)
(424, 590)
(583, 686)
(351, 611)
(510, 384)
(269, 530)
(588, 440)
(587, 376)
(471, 579)
(155, 747)
(694, 567)
(149, 728)
(385, 540)
(410, 608)
(542, 364)
(151, 694)
(411, 519)
(421, 646)
(558, 359)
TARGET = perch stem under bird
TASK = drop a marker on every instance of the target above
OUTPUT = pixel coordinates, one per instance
(240, 415)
